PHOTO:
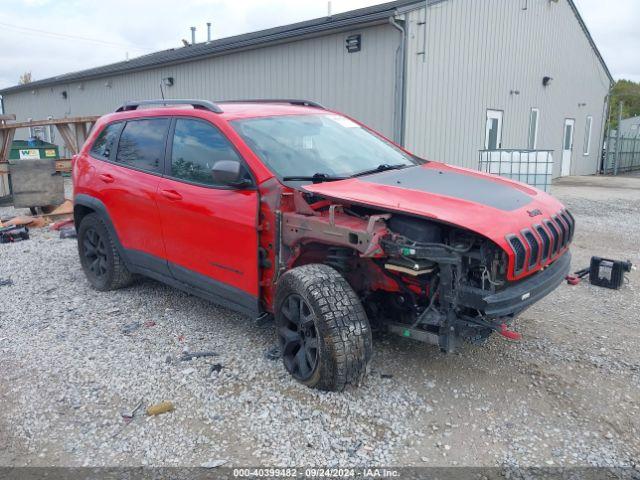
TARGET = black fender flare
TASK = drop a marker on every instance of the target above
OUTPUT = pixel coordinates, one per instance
(100, 209)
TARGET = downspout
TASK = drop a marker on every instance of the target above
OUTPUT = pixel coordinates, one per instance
(401, 75)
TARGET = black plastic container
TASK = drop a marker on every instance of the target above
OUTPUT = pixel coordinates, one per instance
(608, 273)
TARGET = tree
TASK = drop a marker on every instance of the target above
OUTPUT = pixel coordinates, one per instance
(25, 78)
(627, 92)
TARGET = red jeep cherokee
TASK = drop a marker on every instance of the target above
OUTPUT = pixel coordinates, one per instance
(286, 208)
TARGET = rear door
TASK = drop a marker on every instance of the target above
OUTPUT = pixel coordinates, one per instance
(128, 184)
(210, 231)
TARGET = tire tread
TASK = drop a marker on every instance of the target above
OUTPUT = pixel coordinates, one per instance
(342, 322)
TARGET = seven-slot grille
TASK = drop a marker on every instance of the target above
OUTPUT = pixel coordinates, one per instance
(542, 243)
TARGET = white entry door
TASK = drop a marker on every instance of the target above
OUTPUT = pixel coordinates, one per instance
(493, 131)
(567, 146)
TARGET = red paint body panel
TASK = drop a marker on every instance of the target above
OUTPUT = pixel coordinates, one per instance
(130, 197)
(487, 221)
(212, 232)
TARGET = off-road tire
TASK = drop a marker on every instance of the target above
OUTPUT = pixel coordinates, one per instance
(116, 274)
(344, 343)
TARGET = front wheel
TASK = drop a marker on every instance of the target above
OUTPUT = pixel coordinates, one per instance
(324, 334)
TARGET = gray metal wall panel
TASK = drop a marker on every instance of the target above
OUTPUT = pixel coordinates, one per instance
(360, 84)
(477, 53)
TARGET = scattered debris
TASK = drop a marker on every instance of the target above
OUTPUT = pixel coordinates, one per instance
(352, 450)
(150, 323)
(68, 232)
(131, 327)
(132, 413)
(186, 356)
(264, 319)
(273, 353)
(607, 273)
(13, 234)
(32, 222)
(65, 208)
(160, 408)
(603, 272)
(216, 367)
(62, 224)
(213, 463)
(6, 282)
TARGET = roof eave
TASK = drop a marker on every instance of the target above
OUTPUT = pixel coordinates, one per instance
(259, 40)
(591, 40)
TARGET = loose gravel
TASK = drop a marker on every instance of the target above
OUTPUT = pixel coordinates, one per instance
(73, 360)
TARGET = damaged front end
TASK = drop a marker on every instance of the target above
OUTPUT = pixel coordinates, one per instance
(416, 277)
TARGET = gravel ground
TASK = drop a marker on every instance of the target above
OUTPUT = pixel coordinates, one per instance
(567, 394)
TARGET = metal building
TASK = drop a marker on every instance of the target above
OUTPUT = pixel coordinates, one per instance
(446, 78)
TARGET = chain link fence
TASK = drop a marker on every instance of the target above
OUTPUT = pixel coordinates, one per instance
(621, 154)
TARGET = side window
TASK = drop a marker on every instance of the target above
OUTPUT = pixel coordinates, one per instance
(534, 117)
(142, 144)
(197, 145)
(106, 140)
(587, 135)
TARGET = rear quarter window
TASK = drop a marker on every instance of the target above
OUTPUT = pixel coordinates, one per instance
(103, 145)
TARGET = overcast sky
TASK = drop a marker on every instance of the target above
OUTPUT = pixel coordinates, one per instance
(51, 37)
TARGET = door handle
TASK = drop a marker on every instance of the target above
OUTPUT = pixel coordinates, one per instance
(106, 178)
(171, 195)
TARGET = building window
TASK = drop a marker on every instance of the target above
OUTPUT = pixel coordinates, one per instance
(493, 130)
(534, 118)
(587, 135)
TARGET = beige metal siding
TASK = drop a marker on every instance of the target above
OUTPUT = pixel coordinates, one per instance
(359, 84)
(478, 52)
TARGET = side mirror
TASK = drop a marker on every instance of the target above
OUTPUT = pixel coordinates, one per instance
(229, 172)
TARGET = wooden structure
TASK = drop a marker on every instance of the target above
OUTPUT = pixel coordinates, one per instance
(73, 130)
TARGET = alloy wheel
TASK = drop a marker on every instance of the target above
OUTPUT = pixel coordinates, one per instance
(298, 337)
(95, 252)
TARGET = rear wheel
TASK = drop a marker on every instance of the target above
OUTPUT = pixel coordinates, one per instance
(323, 330)
(99, 256)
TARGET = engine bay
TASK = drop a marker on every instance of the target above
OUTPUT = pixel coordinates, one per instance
(417, 278)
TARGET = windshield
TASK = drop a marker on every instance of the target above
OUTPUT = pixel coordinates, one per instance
(328, 145)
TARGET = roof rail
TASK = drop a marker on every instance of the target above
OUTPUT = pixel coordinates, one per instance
(196, 104)
(302, 103)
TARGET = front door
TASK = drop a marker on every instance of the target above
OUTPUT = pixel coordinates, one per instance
(567, 146)
(210, 231)
(493, 130)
